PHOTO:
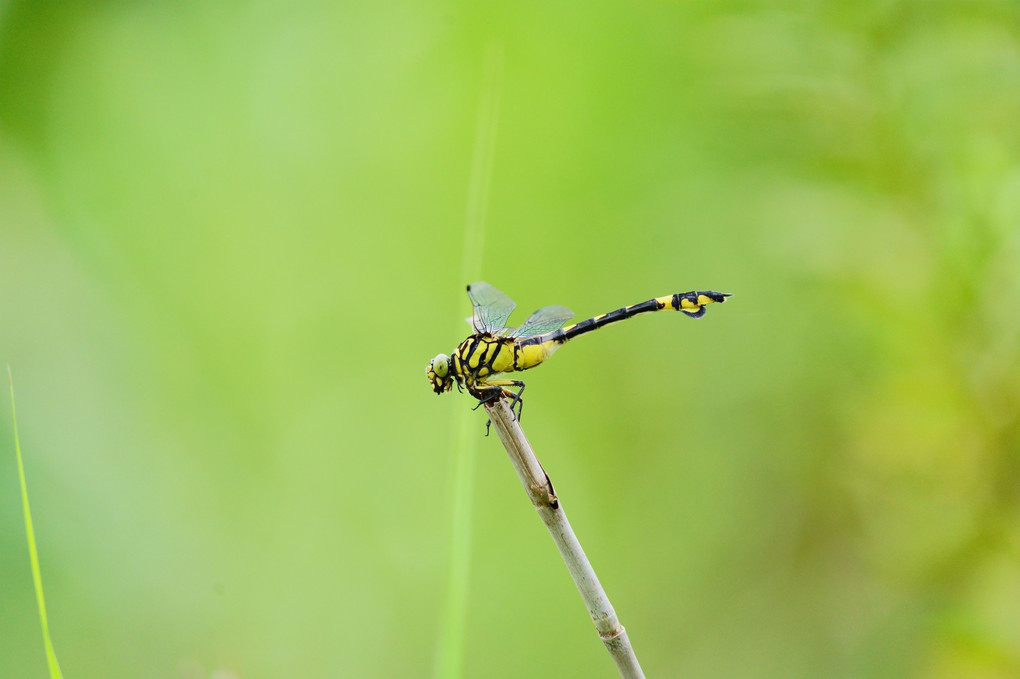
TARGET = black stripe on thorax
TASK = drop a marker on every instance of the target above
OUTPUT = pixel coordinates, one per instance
(475, 341)
(463, 355)
(495, 346)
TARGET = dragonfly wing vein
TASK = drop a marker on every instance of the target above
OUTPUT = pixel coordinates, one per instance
(544, 320)
(492, 307)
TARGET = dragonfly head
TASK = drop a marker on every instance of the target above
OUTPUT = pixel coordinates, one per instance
(438, 373)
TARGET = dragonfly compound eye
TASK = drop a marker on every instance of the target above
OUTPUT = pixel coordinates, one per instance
(438, 373)
(441, 365)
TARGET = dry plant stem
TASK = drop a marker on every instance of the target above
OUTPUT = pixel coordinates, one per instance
(540, 490)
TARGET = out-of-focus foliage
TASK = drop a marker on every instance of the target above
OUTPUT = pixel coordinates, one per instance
(230, 239)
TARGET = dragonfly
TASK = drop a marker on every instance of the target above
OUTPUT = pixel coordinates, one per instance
(481, 362)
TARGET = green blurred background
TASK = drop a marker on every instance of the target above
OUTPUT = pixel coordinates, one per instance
(231, 238)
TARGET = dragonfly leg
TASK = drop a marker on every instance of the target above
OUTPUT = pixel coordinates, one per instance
(494, 389)
(516, 399)
(484, 395)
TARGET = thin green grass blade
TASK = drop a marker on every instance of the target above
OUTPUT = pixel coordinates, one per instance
(51, 656)
(450, 656)
(450, 660)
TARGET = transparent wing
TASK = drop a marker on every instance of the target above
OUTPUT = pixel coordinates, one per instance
(492, 307)
(544, 320)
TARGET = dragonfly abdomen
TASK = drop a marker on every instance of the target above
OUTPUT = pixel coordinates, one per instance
(691, 303)
(528, 353)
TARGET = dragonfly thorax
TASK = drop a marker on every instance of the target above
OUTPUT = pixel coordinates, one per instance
(482, 356)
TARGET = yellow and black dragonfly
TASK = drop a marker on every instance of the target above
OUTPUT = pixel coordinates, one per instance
(494, 349)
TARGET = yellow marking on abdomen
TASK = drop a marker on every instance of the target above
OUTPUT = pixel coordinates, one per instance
(530, 355)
